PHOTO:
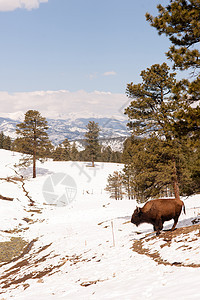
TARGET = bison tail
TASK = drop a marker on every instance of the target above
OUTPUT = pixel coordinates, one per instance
(184, 208)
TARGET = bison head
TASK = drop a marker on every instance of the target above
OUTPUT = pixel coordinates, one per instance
(136, 216)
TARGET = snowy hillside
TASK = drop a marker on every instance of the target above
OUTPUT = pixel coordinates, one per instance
(72, 127)
(62, 237)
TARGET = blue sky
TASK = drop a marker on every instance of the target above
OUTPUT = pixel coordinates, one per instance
(75, 45)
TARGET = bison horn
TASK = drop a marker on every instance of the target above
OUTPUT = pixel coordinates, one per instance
(137, 209)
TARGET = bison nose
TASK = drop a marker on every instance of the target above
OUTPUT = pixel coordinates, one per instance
(132, 221)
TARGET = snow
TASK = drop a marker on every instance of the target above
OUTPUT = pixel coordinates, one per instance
(86, 247)
(17, 116)
(70, 127)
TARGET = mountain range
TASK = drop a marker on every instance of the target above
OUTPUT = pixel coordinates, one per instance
(73, 128)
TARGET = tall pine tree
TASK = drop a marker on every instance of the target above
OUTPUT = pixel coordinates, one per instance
(152, 115)
(92, 141)
(180, 21)
(33, 137)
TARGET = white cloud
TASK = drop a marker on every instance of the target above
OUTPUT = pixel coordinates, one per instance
(110, 73)
(10, 5)
(57, 103)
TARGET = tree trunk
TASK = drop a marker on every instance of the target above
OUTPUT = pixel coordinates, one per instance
(92, 160)
(34, 150)
(34, 163)
(175, 183)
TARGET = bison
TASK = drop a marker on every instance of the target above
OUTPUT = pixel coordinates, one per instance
(157, 211)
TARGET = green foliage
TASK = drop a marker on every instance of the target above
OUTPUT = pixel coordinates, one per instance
(128, 182)
(152, 108)
(33, 138)
(108, 155)
(149, 167)
(1, 140)
(187, 123)
(92, 148)
(180, 21)
(74, 152)
(161, 114)
(57, 154)
(114, 186)
(5, 142)
(66, 149)
(65, 152)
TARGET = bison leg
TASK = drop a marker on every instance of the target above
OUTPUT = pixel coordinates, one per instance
(158, 227)
(175, 222)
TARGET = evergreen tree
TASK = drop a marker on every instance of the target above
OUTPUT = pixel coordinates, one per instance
(74, 154)
(106, 153)
(115, 157)
(152, 108)
(128, 181)
(151, 167)
(114, 186)
(92, 143)
(66, 149)
(1, 140)
(33, 137)
(63, 151)
(7, 143)
(153, 113)
(58, 153)
(180, 21)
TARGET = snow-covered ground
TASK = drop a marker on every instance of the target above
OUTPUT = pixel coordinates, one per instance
(84, 250)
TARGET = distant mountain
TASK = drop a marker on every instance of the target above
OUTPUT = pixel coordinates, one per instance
(71, 128)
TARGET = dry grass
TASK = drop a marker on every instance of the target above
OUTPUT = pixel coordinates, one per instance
(167, 237)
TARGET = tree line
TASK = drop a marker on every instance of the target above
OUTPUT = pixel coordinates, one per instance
(5, 142)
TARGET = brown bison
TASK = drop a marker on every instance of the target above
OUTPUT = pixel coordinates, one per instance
(157, 211)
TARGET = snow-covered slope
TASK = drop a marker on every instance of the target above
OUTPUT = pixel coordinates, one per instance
(88, 249)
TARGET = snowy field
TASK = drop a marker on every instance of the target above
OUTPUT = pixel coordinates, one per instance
(88, 249)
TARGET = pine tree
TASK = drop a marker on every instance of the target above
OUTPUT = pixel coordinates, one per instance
(92, 143)
(74, 154)
(128, 181)
(66, 149)
(180, 21)
(57, 154)
(1, 140)
(106, 153)
(152, 107)
(7, 143)
(151, 168)
(116, 157)
(114, 186)
(33, 138)
(153, 113)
